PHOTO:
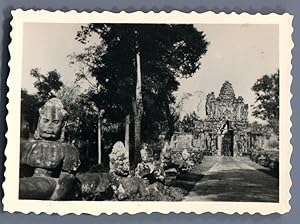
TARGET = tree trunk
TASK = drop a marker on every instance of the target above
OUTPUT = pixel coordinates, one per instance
(99, 141)
(127, 126)
(138, 110)
(171, 123)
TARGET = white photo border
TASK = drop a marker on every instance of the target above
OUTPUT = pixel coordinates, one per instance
(11, 201)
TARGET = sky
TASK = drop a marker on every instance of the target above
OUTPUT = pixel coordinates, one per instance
(238, 53)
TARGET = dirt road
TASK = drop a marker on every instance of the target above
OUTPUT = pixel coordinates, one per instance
(235, 179)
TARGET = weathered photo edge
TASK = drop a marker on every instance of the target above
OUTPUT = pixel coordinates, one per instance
(10, 186)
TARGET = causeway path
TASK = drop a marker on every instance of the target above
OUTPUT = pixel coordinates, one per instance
(235, 179)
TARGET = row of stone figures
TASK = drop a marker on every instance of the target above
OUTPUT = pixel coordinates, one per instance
(48, 165)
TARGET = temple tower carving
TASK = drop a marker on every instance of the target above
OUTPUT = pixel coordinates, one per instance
(226, 106)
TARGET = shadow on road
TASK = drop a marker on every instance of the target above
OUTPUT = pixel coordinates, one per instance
(236, 185)
(273, 173)
(187, 181)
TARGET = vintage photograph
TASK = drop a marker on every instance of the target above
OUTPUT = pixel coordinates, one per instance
(147, 111)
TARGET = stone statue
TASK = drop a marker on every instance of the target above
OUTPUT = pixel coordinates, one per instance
(202, 139)
(187, 162)
(165, 155)
(119, 160)
(148, 167)
(48, 164)
(51, 123)
(208, 142)
(242, 144)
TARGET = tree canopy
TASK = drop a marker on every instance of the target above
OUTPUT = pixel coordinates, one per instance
(47, 85)
(82, 120)
(29, 110)
(267, 99)
(167, 52)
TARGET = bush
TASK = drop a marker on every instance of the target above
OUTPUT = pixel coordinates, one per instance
(267, 158)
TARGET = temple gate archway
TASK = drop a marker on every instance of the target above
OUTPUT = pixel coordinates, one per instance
(227, 144)
(225, 122)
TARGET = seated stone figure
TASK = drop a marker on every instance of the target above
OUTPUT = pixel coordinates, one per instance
(47, 164)
(148, 167)
(187, 162)
(165, 155)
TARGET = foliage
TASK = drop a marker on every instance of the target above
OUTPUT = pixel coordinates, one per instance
(167, 52)
(83, 122)
(87, 61)
(189, 122)
(29, 111)
(47, 85)
(267, 100)
(83, 115)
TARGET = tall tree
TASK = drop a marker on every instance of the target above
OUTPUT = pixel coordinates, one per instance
(47, 85)
(267, 100)
(166, 52)
(86, 61)
(138, 104)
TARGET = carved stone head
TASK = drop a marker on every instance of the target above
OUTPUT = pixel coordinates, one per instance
(146, 153)
(52, 117)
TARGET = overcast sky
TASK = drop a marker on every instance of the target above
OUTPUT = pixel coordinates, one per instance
(238, 53)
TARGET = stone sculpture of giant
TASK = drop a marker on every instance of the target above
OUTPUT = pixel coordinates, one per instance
(119, 160)
(48, 164)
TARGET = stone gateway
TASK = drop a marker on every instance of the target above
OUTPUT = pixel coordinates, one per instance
(226, 122)
(226, 130)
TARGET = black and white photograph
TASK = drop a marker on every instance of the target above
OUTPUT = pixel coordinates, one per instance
(161, 112)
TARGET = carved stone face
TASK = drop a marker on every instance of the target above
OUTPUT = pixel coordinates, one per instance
(51, 120)
(50, 125)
